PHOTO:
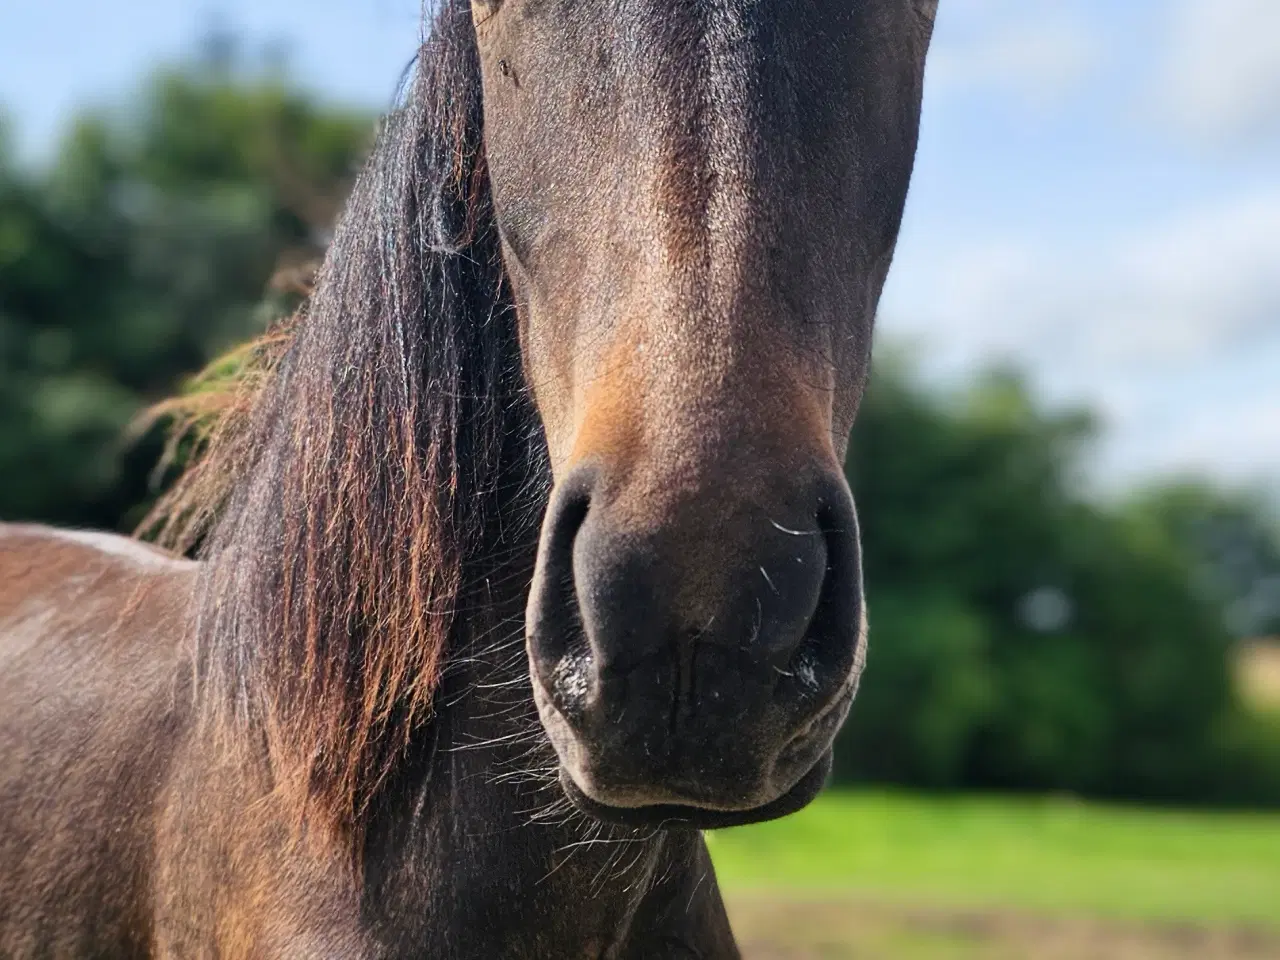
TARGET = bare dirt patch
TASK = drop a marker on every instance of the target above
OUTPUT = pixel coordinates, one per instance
(782, 929)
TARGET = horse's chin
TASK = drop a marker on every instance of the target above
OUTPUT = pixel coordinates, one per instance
(680, 817)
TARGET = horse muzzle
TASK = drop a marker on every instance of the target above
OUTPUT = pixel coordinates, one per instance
(692, 665)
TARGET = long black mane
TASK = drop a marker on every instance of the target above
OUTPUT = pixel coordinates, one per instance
(383, 461)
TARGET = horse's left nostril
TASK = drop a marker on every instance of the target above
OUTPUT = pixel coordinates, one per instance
(792, 578)
(832, 636)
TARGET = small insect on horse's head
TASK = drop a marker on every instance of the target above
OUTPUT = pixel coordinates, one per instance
(698, 202)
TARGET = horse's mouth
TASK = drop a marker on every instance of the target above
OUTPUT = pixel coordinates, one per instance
(678, 816)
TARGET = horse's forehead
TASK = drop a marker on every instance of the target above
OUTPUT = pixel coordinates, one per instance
(626, 21)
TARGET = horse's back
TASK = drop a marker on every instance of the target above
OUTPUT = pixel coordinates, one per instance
(93, 699)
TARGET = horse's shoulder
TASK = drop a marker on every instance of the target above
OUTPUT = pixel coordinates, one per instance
(93, 704)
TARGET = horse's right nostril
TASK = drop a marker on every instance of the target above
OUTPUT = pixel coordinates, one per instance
(557, 642)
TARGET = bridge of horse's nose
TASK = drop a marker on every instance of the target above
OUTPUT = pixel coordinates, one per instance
(734, 584)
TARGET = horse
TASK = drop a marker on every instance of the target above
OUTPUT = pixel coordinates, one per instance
(525, 552)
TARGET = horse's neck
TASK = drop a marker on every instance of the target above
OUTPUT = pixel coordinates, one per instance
(476, 835)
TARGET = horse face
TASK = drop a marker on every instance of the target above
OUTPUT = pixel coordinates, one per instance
(698, 203)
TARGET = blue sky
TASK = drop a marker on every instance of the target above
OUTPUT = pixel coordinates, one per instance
(1097, 196)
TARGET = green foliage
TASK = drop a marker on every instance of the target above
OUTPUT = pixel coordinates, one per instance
(1232, 539)
(144, 251)
(1023, 636)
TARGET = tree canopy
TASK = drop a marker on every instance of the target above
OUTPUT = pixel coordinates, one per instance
(1024, 635)
(146, 248)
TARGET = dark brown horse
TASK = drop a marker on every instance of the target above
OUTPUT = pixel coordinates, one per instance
(612, 267)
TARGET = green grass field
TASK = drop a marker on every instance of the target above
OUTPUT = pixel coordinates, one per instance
(1056, 859)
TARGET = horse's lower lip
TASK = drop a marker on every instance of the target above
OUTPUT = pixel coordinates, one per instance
(826, 718)
(678, 816)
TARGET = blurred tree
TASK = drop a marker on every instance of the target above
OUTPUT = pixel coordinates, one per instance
(1232, 539)
(144, 251)
(1022, 636)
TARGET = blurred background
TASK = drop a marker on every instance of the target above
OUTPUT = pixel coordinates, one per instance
(1067, 742)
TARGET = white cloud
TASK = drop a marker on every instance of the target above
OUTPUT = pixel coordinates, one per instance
(1222, 420)
(998, 46)
(1221, 75)
(1166, 292)
(1171, 327)
(1240, 438)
